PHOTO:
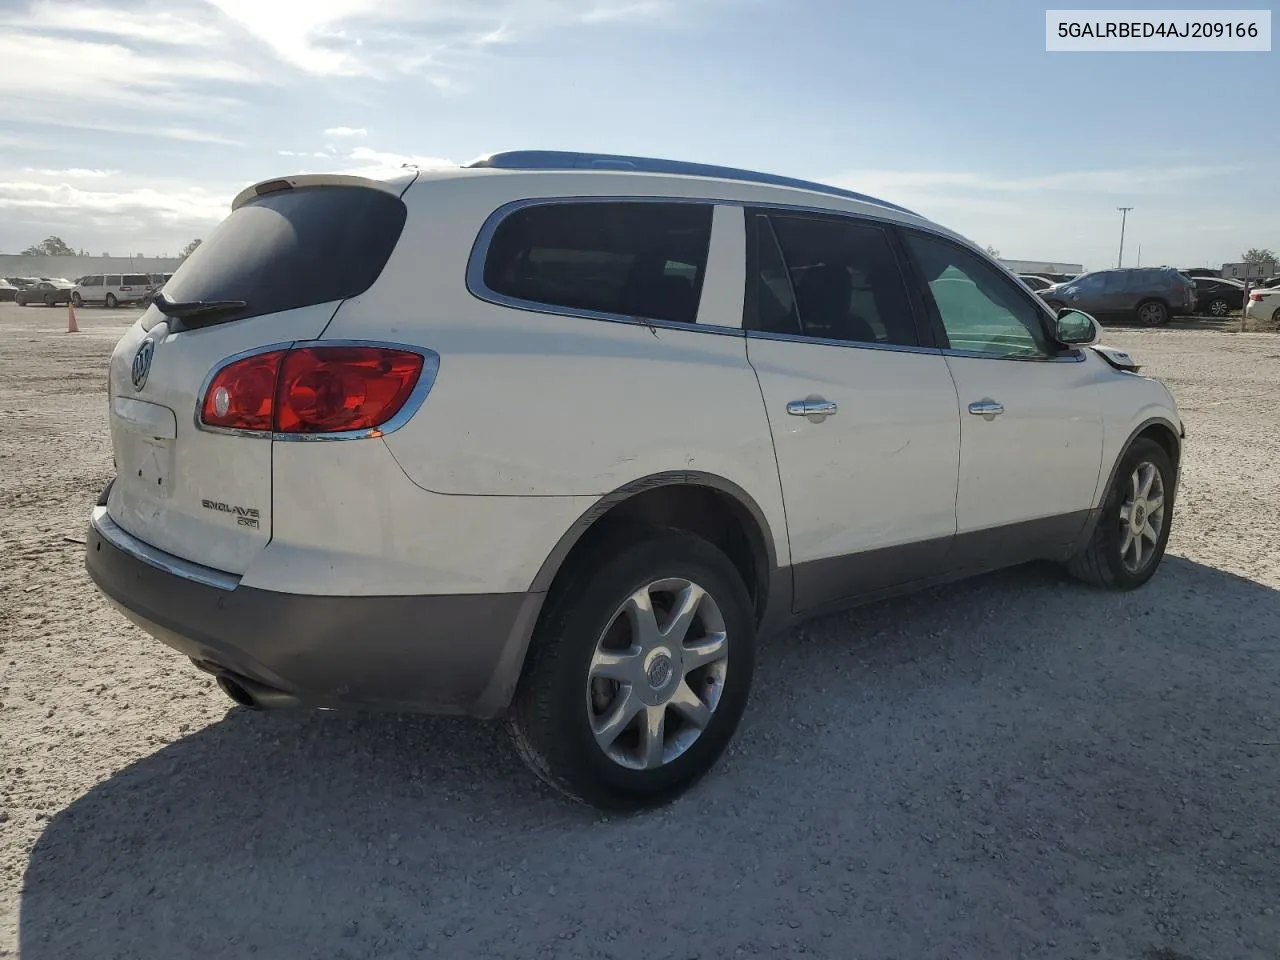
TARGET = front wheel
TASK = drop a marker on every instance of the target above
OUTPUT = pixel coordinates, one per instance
(48, 300)
(76, 301)
(111, 301)
(1153, 313)
(1129, 540)
(1219, 308)
(638, 672)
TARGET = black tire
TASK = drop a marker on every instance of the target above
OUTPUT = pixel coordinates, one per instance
(111, 302)
(1152, 313)
(1100, 563)
(549, 718)
(76, 301)
(1219, 307)
(48, 299)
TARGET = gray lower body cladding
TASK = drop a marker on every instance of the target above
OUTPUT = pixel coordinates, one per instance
(432, 654)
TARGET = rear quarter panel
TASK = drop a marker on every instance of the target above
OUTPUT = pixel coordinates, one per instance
(542, 405)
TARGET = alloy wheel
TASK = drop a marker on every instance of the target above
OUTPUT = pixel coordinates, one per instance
(1219, 308)
(1142, 517)
(657, 674)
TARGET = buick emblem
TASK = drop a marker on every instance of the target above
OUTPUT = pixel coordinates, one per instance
(142, 364)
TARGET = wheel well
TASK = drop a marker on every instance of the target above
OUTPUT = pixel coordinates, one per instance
(1167, 439)
(716, 516)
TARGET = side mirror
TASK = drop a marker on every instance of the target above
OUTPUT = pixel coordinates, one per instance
(1076, 328)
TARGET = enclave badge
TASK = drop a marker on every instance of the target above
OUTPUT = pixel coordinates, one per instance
(142, 364)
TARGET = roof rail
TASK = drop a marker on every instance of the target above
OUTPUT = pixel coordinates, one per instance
(569, 160)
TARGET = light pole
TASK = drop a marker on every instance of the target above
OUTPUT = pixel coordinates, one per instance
(1124, 215)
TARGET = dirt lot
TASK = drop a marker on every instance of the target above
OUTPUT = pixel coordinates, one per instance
(1017, 766)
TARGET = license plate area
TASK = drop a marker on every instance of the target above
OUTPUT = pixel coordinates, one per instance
(145, 447)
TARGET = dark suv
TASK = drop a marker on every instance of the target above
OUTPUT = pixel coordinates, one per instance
(1149, 294)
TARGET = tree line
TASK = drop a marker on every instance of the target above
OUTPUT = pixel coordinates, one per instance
(57, 247)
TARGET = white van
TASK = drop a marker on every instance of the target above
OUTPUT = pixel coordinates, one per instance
(112, 289)
(575, 429)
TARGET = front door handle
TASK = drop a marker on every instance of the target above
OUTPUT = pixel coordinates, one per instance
(986, 408)
(815, 408)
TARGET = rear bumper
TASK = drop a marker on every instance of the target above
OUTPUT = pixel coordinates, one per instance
(459, 653)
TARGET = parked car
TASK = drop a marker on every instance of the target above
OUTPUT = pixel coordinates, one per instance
(21, 282)
(45, 292)
(8, 291)
(112, 289)
(1036, 283)
(1151, 295)
(1270, 282)
(646, 412)
(1264, 304)
(1217, 297)
(1059, 277)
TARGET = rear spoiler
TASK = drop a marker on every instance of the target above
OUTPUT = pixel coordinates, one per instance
(1117, 358)
(277, 184)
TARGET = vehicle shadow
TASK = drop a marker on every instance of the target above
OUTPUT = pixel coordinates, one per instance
(981, 770)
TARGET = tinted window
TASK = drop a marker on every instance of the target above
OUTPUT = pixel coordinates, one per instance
(631, 259)
(136, 279)
(113, 280)
(981, 309)
(832, 278)
(293, 248)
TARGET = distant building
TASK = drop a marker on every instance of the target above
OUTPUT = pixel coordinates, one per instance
(1251, 271)
(1042, 266)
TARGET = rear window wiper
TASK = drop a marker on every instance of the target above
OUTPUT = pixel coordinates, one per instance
(187, 309)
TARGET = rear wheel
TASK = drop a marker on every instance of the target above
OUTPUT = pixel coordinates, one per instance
(1153, 313)
(1219, 308)
(76, 301)
(1129, 540)
(48, 299)
(1275, 318)
(638, 672)
(111, 301)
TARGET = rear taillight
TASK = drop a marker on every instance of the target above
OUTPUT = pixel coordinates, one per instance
(313, 389)
(1255, 296)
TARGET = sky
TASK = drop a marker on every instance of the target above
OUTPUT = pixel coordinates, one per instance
(127, 127)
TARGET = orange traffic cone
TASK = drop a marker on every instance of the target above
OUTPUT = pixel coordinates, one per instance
(71, 318)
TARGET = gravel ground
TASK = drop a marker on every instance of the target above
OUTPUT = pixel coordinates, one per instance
(1016, 766)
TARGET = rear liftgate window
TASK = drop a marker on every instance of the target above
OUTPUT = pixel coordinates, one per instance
(291, 249)
(630, 259)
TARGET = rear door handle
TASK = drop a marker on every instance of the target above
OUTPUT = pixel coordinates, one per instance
(815, 408)
(986, 408)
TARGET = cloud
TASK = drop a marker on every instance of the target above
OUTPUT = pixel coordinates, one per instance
(346, 132)
(74, 173)
(349, 38)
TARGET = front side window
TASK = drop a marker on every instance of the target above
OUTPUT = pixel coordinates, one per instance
(980, 309)
(626, 258)
(828, 278)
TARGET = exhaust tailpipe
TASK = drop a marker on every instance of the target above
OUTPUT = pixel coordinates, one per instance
(254, 695)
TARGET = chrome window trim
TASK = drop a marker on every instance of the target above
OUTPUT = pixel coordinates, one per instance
(480, 254)
(480, 251)
(1076, 356)
(830, 342)
(426, 380)
(126, 542)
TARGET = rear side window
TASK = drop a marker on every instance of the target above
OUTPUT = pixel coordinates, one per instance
(136, 280)
(113, 280)
(293, 248)
(627, 258)
(833, 279)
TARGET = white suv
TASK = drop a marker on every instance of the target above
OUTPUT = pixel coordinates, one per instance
(111, 289)
(644, 411)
